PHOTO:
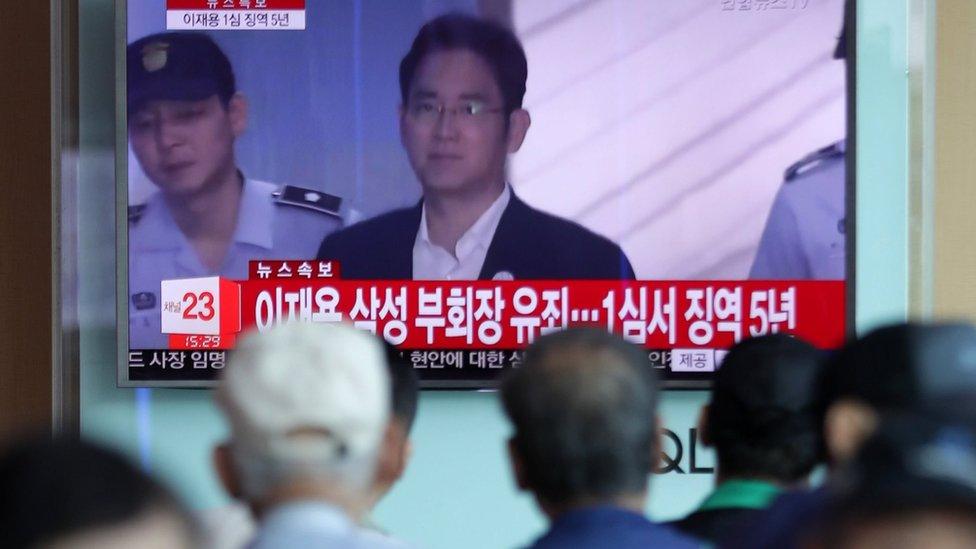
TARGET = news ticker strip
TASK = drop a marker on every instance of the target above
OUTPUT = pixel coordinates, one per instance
(431, 365)
(507, 314)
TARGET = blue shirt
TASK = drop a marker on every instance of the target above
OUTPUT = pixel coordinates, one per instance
(605, 526)
(158, 250)
(315, 524)
(804, 234)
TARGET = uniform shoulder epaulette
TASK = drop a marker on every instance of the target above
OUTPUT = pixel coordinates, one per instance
(812, 160)
(310, 199)
(135, 212)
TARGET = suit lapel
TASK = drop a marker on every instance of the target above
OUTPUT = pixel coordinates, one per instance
(400, 258)
(508, 243)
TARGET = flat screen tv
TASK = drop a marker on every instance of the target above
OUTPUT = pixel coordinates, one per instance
(461, 176)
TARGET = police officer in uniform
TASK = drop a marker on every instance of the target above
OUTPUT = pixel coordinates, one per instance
(207, 218)
(804, 236)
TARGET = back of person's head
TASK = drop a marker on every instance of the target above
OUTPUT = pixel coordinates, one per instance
(904, 365)
(762, 418)
(496, 45)
(583, 406)
(898, 367)
(307, 403)
(912, 485)
(70, 493)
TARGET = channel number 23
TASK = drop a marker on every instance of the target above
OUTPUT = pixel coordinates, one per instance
(198, 306)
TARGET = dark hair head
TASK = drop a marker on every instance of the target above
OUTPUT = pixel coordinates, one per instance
(903, 366)
(762, 417)
(583, 406)
(404, 387)
(495, 44)
(56, 488)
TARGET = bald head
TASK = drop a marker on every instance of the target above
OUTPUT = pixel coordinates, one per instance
(583, 407)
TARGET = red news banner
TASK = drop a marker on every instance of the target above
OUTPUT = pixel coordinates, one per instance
(511, 314)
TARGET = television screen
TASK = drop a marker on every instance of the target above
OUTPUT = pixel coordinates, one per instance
(462, 176)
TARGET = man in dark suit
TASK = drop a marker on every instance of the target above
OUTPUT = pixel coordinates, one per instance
(461, 85)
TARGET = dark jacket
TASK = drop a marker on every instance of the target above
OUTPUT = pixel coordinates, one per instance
(733, 504)
(528, 243)
(610, 527)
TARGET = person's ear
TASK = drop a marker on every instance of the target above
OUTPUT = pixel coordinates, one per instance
(402, 449)
(518, 125)
(704, 435)
(847, 424)
(223, 462)
(518, 466)
(237, 111)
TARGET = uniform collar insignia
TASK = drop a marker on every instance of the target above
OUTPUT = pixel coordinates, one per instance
(144, 300)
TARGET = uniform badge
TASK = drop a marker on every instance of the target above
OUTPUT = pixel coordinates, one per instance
(143, 300)
(154, 56)
(309, 199)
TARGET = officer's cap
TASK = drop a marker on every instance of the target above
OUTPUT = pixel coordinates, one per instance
(181, 66)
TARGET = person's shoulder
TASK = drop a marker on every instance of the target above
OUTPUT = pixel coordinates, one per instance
(149, 222)
(142, 213)
(817, 177)
(377, 227)
(714, 525)
(662, 535)
(813, 168)
(549, 246)
(778, 524)
(564, 233)
(135, 213)
(608, 526)
(376, 234)
(300, 202)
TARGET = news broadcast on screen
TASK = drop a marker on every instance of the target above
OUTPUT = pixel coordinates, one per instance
(462, 176)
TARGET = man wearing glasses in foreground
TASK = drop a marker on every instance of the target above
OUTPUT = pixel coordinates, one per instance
(461, 85)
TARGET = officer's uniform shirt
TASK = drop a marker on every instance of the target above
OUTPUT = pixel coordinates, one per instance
(804, 235)
(267, 228)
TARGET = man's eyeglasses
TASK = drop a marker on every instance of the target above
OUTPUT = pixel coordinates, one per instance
(466, 111)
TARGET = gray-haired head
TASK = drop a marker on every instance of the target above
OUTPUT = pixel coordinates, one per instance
(583, 406)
